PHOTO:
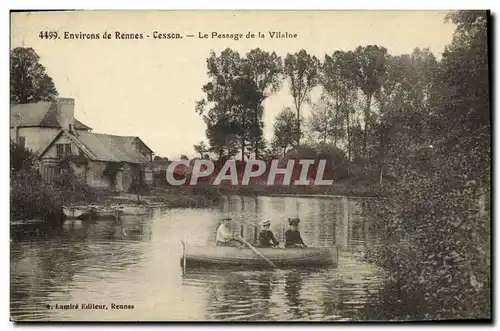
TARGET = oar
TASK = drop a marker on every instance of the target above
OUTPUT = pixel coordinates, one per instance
(257, 252)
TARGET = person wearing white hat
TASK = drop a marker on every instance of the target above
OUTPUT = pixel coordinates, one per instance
(266, 236)
(225, 236)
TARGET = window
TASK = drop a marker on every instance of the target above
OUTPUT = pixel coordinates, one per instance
(63, 150)
(60, 151)
(67, 149)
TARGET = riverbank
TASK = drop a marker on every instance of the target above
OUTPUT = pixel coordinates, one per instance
(33, 199)
(339, 189)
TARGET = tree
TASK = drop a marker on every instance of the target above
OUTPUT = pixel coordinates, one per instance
(437, 210)
(338, 74)
(246, 113)
(29, 83)
(285, 129)
(217, 106)
(301, 69)
(403, 107)
(20, 157)
(264, 69)
(201, 148)
(326, 121)
(370, 72)
(233, 107)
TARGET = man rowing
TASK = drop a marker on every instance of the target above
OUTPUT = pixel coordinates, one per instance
(225, 236)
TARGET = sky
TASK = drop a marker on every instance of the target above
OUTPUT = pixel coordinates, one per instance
(149, 87)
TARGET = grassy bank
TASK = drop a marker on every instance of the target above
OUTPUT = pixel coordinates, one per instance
(344, 188)
(31, 198)
(187, 197)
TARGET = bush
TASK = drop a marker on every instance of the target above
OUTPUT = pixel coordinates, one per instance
(436, 243)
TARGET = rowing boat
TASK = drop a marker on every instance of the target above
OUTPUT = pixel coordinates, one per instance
(282, 257)
(105, 213)
(76, 212)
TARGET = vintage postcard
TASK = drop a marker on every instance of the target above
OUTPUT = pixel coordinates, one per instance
(245, 166)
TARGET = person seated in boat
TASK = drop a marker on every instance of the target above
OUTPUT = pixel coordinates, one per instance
(266, 236)
(293, 239)
(225, 236)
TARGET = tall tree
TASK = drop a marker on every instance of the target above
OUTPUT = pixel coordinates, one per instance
(302, 71)
(403, 107)
(246, 112)
(264, 69)
(438, 205)
(285, 129)
(338, 80)
(326, 121)
(201, 148)
(217, 106)
(234, 99)
(370, 72)
(29, 83)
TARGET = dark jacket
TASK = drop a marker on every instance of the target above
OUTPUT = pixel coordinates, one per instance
(293, 238)
(267, 239)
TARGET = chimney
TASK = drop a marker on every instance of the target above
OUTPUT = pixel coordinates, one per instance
(66, 113)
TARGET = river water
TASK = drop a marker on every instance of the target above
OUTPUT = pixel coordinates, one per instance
(135, 262)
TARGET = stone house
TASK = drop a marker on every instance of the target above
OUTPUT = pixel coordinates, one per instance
(63, 144)
(34, 125)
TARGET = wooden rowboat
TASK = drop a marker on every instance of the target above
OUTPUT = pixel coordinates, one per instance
(76, 212)
(105, 213)
(282, 257)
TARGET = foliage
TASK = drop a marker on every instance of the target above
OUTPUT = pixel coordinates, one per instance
(302, 71)
(201, 148)
(20, 158)
(29, 83)
(326, 123)
(436, 215)
(410, 130)
(233, 106)
(285, 128)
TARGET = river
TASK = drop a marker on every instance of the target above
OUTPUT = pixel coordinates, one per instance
(135, 262)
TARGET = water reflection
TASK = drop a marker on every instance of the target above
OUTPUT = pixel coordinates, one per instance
(136, 260)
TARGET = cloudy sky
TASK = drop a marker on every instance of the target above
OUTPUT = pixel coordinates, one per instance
(149, 87)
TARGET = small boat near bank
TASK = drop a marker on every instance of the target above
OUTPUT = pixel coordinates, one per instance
(219, 256)
(130, 209)
(91, 212)
(76, 212)
(105, 213)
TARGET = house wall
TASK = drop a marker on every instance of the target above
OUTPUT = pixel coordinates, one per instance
(35, 137)
(63, 139)
(96, 177)
(93, 175)
(130, 173)
(148, 176)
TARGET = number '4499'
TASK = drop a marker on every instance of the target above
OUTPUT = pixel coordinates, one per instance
(48, 35)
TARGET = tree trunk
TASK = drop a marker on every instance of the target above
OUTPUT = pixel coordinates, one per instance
(298, 126)
(348, 118)
(242, 150)
(367, 123)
